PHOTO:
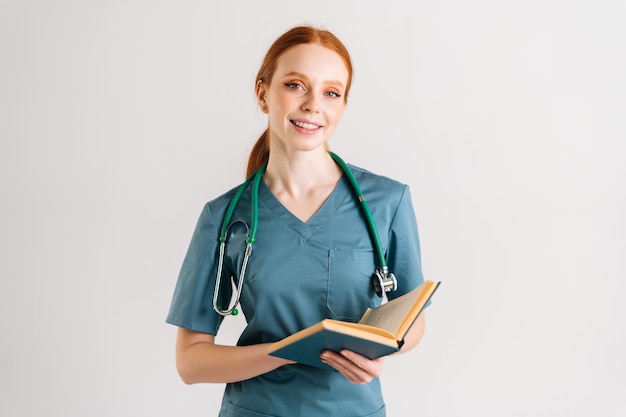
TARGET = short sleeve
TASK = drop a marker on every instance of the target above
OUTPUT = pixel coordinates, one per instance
(192, 302)
(404, 255)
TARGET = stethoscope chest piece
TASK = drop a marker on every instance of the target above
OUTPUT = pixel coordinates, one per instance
(384, 281)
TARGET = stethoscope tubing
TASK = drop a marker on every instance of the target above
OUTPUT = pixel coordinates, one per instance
(255, 179)
(380, 256)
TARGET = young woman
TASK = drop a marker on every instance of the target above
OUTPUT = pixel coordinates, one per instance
(313, 256)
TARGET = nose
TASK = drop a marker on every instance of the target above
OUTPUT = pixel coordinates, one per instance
(311, 103)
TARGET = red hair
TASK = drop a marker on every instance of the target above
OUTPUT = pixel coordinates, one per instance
(293, 37)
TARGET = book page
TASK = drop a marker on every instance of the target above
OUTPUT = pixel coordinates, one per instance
(392, 315)
(363, 331)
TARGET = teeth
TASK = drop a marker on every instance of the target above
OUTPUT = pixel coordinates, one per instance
(304, 125)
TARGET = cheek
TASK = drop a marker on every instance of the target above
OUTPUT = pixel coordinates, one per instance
(280, 104)
(337, 113)
(283, 101)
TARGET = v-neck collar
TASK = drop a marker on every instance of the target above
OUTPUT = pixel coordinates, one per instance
(307, 229)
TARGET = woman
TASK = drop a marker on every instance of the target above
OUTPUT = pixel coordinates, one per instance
(313, 257)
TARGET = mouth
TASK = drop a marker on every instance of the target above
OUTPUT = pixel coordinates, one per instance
(308, 126)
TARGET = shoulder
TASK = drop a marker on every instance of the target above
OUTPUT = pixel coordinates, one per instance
(223, 199)
(372, 182)
(216, 208)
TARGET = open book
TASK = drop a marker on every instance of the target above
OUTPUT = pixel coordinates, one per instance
(380, 331)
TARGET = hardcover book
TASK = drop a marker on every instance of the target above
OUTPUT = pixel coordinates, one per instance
(379, 332)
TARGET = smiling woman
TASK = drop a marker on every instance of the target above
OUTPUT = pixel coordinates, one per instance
(298, 36)
(314, 259)
(303, 99)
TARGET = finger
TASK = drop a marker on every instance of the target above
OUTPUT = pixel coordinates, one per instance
(347, 368)
(359, 360)
(373, 367)
(346, 371)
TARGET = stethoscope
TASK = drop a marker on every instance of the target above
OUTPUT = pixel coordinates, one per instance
(382, 280)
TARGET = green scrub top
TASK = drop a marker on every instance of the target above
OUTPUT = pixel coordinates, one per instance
(298, 274)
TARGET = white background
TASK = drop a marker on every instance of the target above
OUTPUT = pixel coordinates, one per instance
(119, 119)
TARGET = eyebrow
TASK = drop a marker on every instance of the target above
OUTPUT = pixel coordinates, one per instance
(301, 75)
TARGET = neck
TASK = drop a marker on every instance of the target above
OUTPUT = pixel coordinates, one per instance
(301, 173)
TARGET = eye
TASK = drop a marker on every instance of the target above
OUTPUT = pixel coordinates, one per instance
(333, 94)
(294, 86)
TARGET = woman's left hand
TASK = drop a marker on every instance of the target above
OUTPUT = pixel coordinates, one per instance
(356, 368)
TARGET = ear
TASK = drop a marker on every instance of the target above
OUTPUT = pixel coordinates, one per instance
(261, 95)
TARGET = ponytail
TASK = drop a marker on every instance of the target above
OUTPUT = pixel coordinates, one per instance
(260, 153)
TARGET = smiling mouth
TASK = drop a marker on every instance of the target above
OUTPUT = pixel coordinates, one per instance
(305, 125)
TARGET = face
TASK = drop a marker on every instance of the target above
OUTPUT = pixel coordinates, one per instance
(304, 100)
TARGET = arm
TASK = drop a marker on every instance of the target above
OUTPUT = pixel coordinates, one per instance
(361, 370)
(199, 359)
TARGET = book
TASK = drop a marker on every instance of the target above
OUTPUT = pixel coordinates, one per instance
(379, 332)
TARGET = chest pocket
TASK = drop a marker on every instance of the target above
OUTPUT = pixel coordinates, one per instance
(349, 288)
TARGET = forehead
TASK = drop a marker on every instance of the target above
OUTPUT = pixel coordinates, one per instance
(314, 61)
